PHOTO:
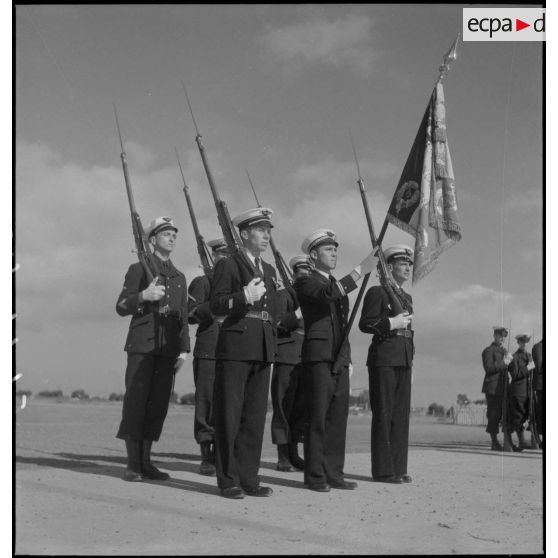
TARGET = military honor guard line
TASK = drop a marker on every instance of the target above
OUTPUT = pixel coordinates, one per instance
(288, 326)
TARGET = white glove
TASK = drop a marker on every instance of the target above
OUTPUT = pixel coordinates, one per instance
(531, 366)
(508, 358)
(366, 265)
(350, 369)
(401, 321)
(254, 290)
(153, 292)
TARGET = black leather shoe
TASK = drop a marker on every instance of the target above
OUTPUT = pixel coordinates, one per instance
(343, 484)
(406, 478)
(234, 492)
(285, 466)
(320, 487)
(154, 474)
(392, 479)
(132, 476)
(261, 491)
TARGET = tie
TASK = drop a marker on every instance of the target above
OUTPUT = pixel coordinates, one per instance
(258, 265)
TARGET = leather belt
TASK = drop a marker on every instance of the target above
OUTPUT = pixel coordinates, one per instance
(166, 311)
(300, 331)
(404, 333)
(263, 315)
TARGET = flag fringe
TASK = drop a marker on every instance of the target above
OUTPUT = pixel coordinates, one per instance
(401, 224)
(430, 263)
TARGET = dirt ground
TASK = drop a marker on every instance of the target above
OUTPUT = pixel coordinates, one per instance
(70, 499)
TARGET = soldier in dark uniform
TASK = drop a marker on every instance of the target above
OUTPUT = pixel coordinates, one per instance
(390, 360)
(204, 358)
(287, 396)
(519, 369)
(495, 361)
(244, 291)
(325, 307)
(157, 344)
(538, 385)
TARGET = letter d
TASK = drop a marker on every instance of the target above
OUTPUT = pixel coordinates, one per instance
(538, 26)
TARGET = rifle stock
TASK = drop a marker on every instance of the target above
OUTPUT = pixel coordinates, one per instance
(205, 256)
(143, 250)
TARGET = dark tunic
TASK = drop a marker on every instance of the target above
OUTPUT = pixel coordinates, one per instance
(390, 359)
(519, 403)
(245, 350)
(158, 334)
(287, 393)
(204, 356)
(538, 384)
(325, 308)
(495, 379)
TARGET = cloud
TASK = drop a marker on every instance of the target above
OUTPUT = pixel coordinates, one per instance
(525, 201)
(345, 41)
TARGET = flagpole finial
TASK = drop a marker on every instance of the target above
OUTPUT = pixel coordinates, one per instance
(449, 57)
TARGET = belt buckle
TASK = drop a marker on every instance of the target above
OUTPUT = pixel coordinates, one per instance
(164, 310)
(265, 315)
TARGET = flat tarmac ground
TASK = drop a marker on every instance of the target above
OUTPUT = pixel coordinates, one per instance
(70, 499)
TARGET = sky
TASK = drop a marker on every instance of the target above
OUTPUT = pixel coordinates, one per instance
(275, 90)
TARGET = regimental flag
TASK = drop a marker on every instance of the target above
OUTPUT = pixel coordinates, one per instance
(425, 202)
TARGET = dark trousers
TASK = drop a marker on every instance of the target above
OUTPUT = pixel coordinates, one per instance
(493, 413)
(146, 401)
(327, 402)
(204, 378)
(518, 411)
(390, 389)
(287, 397)
(240, 405)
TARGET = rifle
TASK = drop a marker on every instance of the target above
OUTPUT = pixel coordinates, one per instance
(205, 255)
(398, 302)
(230, 234)
(280, 264)
(145, 256)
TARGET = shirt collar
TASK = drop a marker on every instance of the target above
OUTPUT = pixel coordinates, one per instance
(326, 275)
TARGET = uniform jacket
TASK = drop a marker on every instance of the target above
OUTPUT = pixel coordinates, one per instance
(290, 329)
(243, 338)
(538, 373)
(519, 373)
(494, 369)
(325, 309)
(199, 313)
(387, 348)
(152, 332)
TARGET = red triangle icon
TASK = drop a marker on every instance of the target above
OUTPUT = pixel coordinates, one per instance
(519, 25)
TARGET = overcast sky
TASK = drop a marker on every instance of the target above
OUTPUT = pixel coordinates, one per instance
(274, 90)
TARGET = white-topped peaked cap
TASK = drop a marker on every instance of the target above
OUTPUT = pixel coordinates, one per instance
(217, 244)
(318, 238)
(399, 252)
(523, 337)
(502, 329)
(257, 216)
(160, 224)
(299, 261)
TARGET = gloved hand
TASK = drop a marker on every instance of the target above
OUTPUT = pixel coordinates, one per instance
(153, 292)
(366, 265)
(401, 321)
(531, 366)
(508, 358)
(254, 290)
